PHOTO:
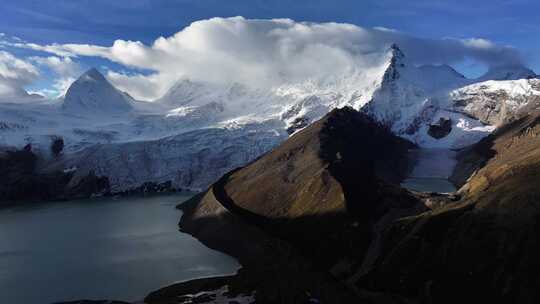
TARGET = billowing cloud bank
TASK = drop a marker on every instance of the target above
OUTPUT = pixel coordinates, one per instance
(14, 74)
(268, 52)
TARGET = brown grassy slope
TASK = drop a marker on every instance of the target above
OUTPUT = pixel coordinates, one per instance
(326, 186)
(270, 267)
(484, 248)
(316, 169)
(475, 157)
(305, 208)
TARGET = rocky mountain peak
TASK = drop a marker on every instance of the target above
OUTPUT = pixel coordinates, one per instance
(397, 53)
(396, 61)
(94, 74)
(93, 92)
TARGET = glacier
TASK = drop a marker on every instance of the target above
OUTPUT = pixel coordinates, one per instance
(200, 130)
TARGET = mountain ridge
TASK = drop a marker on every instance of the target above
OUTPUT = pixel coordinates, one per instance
(409, 102)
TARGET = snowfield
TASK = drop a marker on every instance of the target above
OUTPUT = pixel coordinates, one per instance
(198, 131)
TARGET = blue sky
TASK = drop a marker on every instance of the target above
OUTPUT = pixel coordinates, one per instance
(101, 22)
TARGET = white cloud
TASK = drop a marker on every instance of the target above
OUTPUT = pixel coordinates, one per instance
(66, 70)
(267, 52)
(62, 66)
(140, 86)
(479, 43)
(15, 73)
(15, 68)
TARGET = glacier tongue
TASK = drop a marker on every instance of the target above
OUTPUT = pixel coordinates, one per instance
(191, 160)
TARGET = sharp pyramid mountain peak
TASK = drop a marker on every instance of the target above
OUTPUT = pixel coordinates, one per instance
(397, 61)
(92, 92)
(94, 74)
(397, 54)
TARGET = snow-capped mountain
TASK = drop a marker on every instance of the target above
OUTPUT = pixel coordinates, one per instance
(498, 102)
(198, 130)
(508, 72)
(93, 93)
(185, 91)
(410, 99)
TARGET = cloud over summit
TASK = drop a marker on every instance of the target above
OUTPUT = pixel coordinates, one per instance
(15, 73)
(268, 52)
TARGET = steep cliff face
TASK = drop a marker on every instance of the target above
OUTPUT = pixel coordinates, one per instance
(482, 248)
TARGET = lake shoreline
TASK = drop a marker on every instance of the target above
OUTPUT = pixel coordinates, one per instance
(114, 196)
(121, 249)
(431, 170)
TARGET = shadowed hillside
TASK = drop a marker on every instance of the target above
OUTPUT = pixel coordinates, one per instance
(22, 181)
(321, 215)
(328, 190)
(483, 248)
(325, 187)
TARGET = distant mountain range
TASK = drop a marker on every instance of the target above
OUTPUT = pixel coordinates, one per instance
(197, 131)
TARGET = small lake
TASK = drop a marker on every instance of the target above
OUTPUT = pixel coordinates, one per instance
(103, 248)
(432, 168)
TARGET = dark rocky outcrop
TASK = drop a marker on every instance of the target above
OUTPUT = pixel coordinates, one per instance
(150, 187)
(441, 128)
(21, 180)
(57, 146)
(297, 124)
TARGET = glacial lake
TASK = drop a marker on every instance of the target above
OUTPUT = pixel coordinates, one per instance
(431, 170)
(103, 248)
